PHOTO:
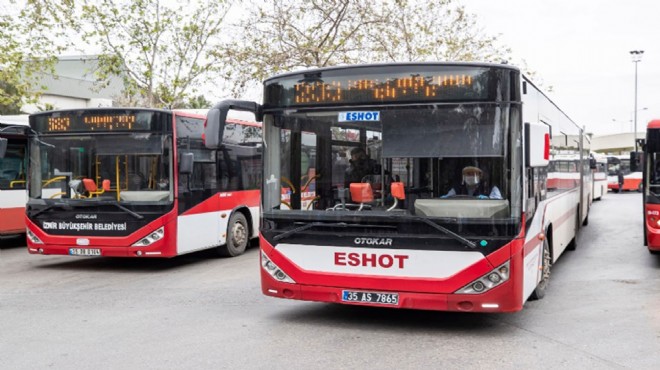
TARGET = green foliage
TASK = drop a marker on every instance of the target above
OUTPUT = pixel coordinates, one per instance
(285, 35)
(11, 106)
(197, 102)
(162, 52)
(30, 38)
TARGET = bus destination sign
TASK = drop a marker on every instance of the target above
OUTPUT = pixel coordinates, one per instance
(367, 86)
(96, 121)
(106, 122)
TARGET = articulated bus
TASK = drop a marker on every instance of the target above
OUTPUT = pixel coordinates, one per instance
(13, 168)
(652, 187)
(444, 203)
(632, 177)
(567, 170)
(599, 169)
(133, 182)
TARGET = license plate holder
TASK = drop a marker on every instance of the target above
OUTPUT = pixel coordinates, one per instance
(354, 296)
(85, 252)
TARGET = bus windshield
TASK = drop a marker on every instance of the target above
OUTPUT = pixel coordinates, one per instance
(13, 166)
(450, 159)
(125, 167)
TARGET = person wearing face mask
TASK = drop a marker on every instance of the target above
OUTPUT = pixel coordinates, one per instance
(472, 185)
(360, 166)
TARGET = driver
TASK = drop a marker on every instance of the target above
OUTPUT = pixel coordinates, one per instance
(473, 186)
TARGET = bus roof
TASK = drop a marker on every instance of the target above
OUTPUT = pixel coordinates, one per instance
(411, 64)
(654, 124)
(19, 120)
(195, 113)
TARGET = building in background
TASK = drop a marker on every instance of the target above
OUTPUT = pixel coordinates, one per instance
(615, 143)
(73, 85)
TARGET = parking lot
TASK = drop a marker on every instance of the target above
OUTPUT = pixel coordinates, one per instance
(602, 310)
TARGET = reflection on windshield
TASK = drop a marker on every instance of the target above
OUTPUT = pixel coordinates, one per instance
(447, 163)
(124, 167)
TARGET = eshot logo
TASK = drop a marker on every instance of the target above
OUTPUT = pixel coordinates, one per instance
(358, 116)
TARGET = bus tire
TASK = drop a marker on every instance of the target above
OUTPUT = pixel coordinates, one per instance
(238, 233)
(586, 219)
(572, 245)
(546, 264)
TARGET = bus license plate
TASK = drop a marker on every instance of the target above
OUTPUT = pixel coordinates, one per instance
(370, 297)
(84, 251)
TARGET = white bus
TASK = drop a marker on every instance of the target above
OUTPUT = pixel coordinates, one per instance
(599, 170)
(13, 164)
(406, 235)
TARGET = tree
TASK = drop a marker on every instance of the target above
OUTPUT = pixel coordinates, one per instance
(440, 30)
(30, 38)
(197, 102)
(285, 35)
(161, 52)
(9, 106)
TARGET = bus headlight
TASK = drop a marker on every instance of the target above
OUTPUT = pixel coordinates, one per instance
(274, 271)
(151, 238)
(487, 282)
(33, 238)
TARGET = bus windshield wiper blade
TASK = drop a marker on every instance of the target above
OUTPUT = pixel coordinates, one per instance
(64, 206)
(308, 226)
(116, 204)
(326, 224)
(447, 232)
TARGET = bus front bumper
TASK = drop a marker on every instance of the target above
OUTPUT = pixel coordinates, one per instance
(498, 299)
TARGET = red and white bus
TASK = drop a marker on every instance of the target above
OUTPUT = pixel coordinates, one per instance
(566, 171)
(135, 182)
(402, 235)
(652, 187)
(632, 177)
(13, 168)
(599, 170)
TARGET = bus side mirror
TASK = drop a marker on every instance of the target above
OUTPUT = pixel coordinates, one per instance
(217, 117)
(3, 147)
(592, 163)
(537, 150)
(186, 163)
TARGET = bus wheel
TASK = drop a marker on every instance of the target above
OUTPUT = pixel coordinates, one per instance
(586, 219)
(237, 236)
(546, 263)
(572, 245)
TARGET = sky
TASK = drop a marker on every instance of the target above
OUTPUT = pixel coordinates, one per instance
(582, 49)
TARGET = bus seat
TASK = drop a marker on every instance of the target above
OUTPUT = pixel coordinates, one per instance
(398, 193)
(92, 189)
(361, 192)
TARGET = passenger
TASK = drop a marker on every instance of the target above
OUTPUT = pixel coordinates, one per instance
(473, 186)
(360, 166)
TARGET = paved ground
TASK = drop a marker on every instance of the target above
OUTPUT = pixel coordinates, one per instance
(602, 310)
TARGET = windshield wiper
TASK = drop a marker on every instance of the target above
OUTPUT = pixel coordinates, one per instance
(308, 226)
(326, 224)
(116, 204)
(461, 239)
(64, 206)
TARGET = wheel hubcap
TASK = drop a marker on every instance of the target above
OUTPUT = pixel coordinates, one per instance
(239, 234)
(546, 265)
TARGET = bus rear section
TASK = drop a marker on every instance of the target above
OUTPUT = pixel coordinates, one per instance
(138, 183)
(652, 187)
(599, 169)
(383, 189)
(13, 168)
(624, 174)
